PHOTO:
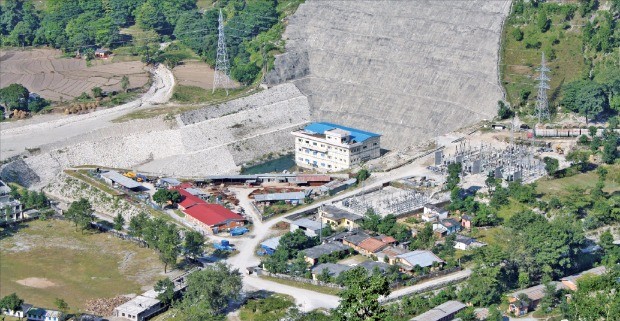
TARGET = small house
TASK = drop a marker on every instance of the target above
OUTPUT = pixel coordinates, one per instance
(139, 308)
(370, 246)
(442, 312)
(421, 258)
(466, 243)
(433, 213)
(311, 228)
(339, 218)
(270, 245)
(313, 254)
(526, 300)
(466, 222)
(40, 314)
(168, 182)
(103, 53)
(334, 270)
(446, 227)
(115, 178)
(390, 254)
(570, 282)
(23, 311)
(294, 198)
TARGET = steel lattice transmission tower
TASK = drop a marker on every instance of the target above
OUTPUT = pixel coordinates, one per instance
(221, 77)
(542, 103)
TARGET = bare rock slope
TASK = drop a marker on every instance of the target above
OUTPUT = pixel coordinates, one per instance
(410, 70)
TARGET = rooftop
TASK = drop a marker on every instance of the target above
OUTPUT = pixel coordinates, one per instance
(337, 213)
(356, 238)
(279, 196)
(307, 223)
(441, 311)
(464, 239)
(334, 269)
(356, 134)
(595, 271)
(212, 214)
(371, 265)
(422, 258)
(271, 243)
(536, 292)
(372, 245)
(121, 180)
(137, 305)
(323, 249)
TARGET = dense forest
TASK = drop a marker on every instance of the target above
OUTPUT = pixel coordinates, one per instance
(253, 28)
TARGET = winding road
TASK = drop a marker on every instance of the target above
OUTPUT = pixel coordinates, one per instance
(16, 137)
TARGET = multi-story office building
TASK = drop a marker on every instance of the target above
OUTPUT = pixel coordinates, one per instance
(331, 147)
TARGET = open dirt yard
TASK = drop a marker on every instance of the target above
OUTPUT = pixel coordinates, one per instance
(46, 73)
(197, 74)
(49, 259)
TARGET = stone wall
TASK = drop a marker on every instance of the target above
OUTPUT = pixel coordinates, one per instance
(409, 70)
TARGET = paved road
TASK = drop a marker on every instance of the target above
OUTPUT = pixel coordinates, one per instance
(15, 137)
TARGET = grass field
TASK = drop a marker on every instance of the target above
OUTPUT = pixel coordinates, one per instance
(302, 285)
(550, 187)
(49, 259)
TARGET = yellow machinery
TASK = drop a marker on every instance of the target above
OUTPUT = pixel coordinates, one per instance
(559, 150)
(133, 176)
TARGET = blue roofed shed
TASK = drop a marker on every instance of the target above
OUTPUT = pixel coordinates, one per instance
(356, 134)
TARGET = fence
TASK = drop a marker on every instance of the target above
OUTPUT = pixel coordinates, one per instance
(297, 279)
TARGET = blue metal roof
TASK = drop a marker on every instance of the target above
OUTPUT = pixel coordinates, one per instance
(356, 134)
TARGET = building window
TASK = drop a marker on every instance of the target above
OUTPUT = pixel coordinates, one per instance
(299, 140)
(301, 158)
(329, 166)
(314, 143)
(299, 149)
(322, 164)
(375, 144)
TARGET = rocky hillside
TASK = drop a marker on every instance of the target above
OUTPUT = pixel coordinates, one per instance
(410, 70)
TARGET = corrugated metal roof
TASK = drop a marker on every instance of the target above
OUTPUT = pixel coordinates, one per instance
(280, 196)
(272, 243)
(441, 311)
(422, 258)
(121, 180)
(356, 134)
(307, 223)
(323, 249)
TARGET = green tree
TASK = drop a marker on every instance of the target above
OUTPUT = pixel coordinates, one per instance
(194, 243)
(483, 287)
(137, 224)
(359, 301)
(163, 196)
(80, 212)
(119, 221)
(454, 172)
(503, 110)
(168, 244)
(97, 92)
(210, 290)
(551, 165)
(62, 306)
(610, 147)
(362, 175)
(584, 97)
(14, 96)
(543, 23)
(467, 314)
(165, 287)
(125, 83)
(517, 34)
(151, 17)
(325, 276)
(11, 302)
(495, 314)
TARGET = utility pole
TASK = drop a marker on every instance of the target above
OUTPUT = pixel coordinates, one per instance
(221, 77)
(542, 103)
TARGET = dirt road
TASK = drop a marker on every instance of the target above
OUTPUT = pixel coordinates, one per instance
(16, 137)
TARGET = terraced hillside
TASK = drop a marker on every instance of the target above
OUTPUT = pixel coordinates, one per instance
(409, 70)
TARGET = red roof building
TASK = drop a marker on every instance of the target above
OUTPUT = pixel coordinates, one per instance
(212, 217)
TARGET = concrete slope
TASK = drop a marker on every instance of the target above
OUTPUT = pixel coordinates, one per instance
(410, 70)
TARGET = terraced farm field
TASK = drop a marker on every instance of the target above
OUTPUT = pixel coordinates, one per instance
(46, 73)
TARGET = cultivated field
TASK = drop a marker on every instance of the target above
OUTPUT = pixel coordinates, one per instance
(197, 74)
(44, 72)
(49, 259)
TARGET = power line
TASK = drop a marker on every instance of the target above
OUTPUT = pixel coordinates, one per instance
(221, 76)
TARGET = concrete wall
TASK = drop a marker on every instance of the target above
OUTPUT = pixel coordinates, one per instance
(409, 70)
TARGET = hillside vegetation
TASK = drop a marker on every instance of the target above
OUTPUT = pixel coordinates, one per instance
(580, 41)
(253, 29)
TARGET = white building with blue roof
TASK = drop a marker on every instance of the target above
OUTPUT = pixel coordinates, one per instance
(331, 147)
